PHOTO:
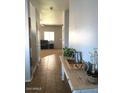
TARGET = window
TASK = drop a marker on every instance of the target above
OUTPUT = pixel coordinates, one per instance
(49, 36)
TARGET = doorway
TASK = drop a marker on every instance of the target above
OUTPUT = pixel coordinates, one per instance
(51, 40)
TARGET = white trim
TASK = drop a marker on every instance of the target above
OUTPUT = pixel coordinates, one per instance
(33, 72)
(27, 80)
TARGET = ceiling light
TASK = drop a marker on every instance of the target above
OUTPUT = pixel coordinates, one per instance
(51, 8)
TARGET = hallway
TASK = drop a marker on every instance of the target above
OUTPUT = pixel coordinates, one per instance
(47, 78)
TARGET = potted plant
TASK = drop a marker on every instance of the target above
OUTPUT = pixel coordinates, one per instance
(69, 54)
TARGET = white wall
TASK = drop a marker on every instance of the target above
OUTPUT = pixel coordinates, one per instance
(33, 41)
(83, 25)
(27, 50)
(38, 34)
(66, 29)
(35, 15)
(35, 38)
(33, 33)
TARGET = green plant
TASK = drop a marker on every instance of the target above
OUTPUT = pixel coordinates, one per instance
(69, 52)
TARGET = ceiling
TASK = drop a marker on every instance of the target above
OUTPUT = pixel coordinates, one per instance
(54, 15)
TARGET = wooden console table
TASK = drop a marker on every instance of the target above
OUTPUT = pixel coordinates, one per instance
(77, 79)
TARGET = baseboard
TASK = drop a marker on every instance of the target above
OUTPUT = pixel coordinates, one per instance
(27, 80)
(33, 72)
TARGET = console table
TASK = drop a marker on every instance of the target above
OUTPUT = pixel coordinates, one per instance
(76, 78)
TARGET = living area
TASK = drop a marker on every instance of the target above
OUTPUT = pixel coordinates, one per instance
(51, 37)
